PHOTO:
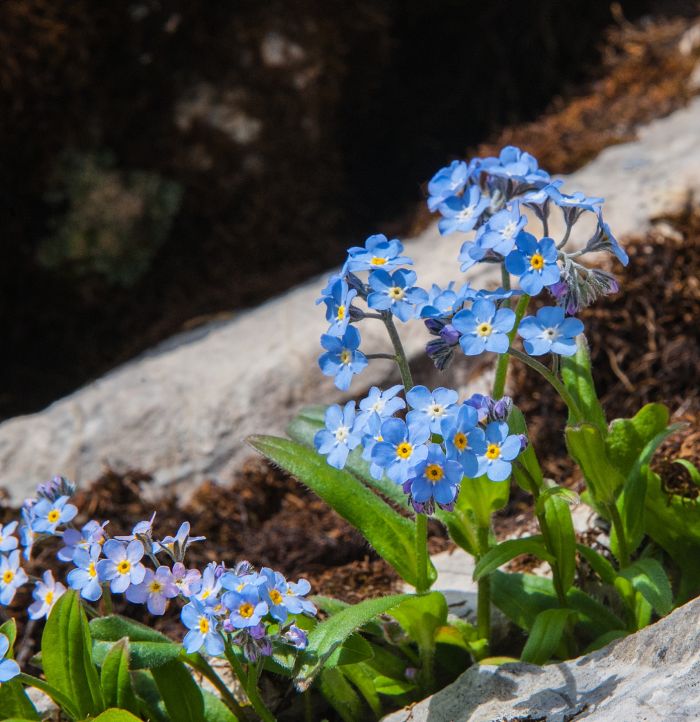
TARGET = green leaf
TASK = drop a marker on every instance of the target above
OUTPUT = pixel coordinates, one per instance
(532, 473)
(342, 696)
(627, 437)
(421, 617)
(691, 469)
(578, 380)
(362, 679)
(673, 522)
(505, 551)
(181, 695)
(66, 656)
(332, 632)
(482, 497)
(521, 597)
(13, 699)
(115, 678)
(587, 448)
(116, 715)
(113, 627)
(152, 707)
(392, 687)
(600, 565)
(389, 533)
(562, 538)
(649, 579)
(147, 647)
(545, 635)
(630, 503)
(353, 650)
(215, 710)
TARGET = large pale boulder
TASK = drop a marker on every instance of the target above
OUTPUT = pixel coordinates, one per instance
(183, 409)
(650, 676)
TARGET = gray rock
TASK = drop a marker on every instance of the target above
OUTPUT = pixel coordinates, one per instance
(650, 676)
(183, 410)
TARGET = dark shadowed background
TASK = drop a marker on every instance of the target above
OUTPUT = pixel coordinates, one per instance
(162, 162)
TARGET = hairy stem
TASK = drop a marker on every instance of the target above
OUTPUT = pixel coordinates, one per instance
(401, 360)
(483, 603)
(249, 684)
(619, 527)
(422, 584)
(499, 383)
(549, 376)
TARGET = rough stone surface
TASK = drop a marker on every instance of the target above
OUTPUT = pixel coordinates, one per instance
(651, 676)
(184, 409)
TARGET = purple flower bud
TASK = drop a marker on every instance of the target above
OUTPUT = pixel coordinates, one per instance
(258, 631)
(410, 673)
(524, 442)
(500, 410)
(296, 637)
(434, 325)
(450, 335)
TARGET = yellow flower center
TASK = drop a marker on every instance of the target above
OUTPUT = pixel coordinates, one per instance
(396, 293)
(377, 261)
(434, 472)
(493, 451)
(484, 329)
(404, 450)
(246, 610)
(92, 570)
(53, 516)
(345, 356)
(49, 598)
(155, 587)
(460, 441)
(536, 261)
(276, 597)
(8, 576)
(340, 315)
(124, 566)
(205, 594)
(203, 625)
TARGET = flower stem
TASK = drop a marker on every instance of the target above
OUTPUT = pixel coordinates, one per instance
(199, 663)
(556, 383)
(401, 360)
(249, 684)
(499, 383)
(483, 600)
(422, 584)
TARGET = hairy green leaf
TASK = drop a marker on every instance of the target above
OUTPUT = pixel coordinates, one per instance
(562, 538)
(116, 715)
(587, 448)
(421, 617)
(181, 695)
(342, 696)
(627, 437)
(503, 552)
(578, 380)
(545, 635)
(389, 533)
(66, 656)
(527, 471)
(649, 579)
(332, 632)
(115, 678)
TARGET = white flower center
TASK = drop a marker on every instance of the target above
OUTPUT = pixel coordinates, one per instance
(341, 434)
(509, 229)
(550, 333)
(436, 410)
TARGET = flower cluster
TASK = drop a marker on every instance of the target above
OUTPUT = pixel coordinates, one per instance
(428, 453)
(486, 198)
(255, 610)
